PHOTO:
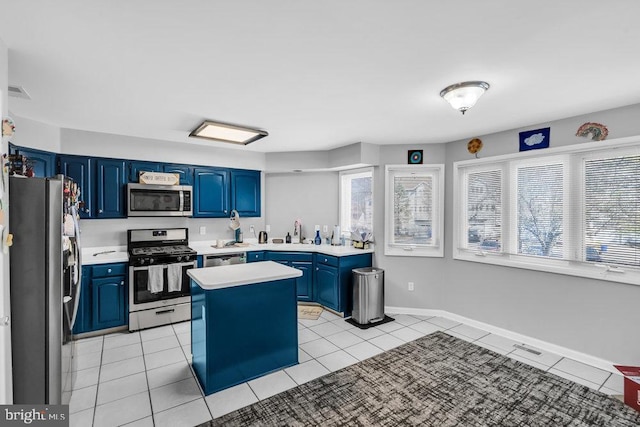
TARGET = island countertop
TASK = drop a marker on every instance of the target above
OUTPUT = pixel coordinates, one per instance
(227, 276)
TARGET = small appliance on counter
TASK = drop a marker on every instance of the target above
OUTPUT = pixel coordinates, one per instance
(335, 238)
(262, 237)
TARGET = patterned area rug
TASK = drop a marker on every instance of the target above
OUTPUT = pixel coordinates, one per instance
(437, 380)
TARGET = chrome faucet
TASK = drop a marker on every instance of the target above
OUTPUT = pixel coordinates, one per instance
(297, 230)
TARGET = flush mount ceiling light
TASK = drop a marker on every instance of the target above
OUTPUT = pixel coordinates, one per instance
(227, 133)
(463, 96)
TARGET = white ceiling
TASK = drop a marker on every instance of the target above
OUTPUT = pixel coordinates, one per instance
(317, 74)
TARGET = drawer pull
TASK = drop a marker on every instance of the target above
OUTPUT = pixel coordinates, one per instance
(165, 311)
(109, 270)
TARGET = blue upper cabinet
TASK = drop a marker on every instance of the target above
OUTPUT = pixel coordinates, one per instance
(78, 168)
(184, 171)
(110, 188)
(135, 168)
(210, 192)
(42, 162)
(245, 192)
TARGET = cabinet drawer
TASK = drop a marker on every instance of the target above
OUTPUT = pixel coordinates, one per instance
(289, 256)
(327, 259)
(255, 256)
(105, 270)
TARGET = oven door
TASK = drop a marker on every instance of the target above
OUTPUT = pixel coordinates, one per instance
(150, 289)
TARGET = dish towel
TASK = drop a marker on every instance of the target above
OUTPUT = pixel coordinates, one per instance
(174, 277)
(156, 279)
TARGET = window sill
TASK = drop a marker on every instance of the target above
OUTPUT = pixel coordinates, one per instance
(414, 251)
(626, 275)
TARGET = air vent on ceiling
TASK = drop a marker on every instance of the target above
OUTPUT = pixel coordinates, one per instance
(18, 92)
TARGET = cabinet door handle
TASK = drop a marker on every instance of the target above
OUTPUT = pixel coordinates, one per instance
(108, 270)
(122, 283)
(100, 211)
(86, 210)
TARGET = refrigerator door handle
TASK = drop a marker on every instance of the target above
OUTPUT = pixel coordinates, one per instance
(78, 267)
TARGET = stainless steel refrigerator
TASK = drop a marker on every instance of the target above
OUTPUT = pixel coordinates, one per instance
(45, 271)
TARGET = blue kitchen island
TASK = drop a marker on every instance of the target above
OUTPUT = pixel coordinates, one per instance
(244, 322)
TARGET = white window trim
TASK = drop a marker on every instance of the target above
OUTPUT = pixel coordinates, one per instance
(627, 275)
(362, 172)
(436, 249)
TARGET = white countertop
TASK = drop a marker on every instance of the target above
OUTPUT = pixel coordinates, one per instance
(104, 255)
(208, 248)
(107, 254)
(227, 276)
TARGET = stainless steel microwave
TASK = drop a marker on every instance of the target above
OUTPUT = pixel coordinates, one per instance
(159, 200)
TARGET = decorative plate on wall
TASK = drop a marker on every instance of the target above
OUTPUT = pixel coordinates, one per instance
(598, 132)
(474, 146)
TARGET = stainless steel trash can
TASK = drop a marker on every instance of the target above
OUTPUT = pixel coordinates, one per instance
(368, 295)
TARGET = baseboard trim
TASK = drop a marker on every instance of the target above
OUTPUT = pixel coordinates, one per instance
(603, 364)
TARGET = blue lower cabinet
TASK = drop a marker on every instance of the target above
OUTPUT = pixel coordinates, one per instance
(242, 332)
(303, 261)
(333, 281)
(304, 283)
(255, 256)
(103, 298)
(327, 281)
(83, 316)
(108, 296)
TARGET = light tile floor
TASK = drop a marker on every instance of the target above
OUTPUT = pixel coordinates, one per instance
(145, 378)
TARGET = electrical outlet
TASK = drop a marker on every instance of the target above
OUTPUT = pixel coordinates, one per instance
(203, 230)
(411, 287)
(252, 230)
(267, 228)
(325, 228)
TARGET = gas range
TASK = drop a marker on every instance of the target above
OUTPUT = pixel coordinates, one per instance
(159, 286)
(154, 246)
(161, 255)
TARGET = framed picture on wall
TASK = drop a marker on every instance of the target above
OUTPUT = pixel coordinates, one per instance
(534, 139)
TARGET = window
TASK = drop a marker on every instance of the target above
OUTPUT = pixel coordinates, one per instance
(356, 201)
(414, 213)
(572, 210)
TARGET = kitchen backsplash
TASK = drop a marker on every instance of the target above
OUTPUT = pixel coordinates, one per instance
(113, 232)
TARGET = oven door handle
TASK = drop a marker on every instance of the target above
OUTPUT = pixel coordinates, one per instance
(191, 263)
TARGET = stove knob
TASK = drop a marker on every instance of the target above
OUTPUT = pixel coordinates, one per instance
(141, 261)
(151, 260)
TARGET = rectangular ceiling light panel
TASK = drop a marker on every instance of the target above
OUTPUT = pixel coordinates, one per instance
(227, 133)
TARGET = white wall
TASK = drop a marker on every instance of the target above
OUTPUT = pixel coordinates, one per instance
(595, 317)
(6, 387)
(311, 197)
(33, 134)
(426, 273)
(126, 147)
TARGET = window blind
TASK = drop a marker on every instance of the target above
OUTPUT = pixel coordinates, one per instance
(612, 210)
